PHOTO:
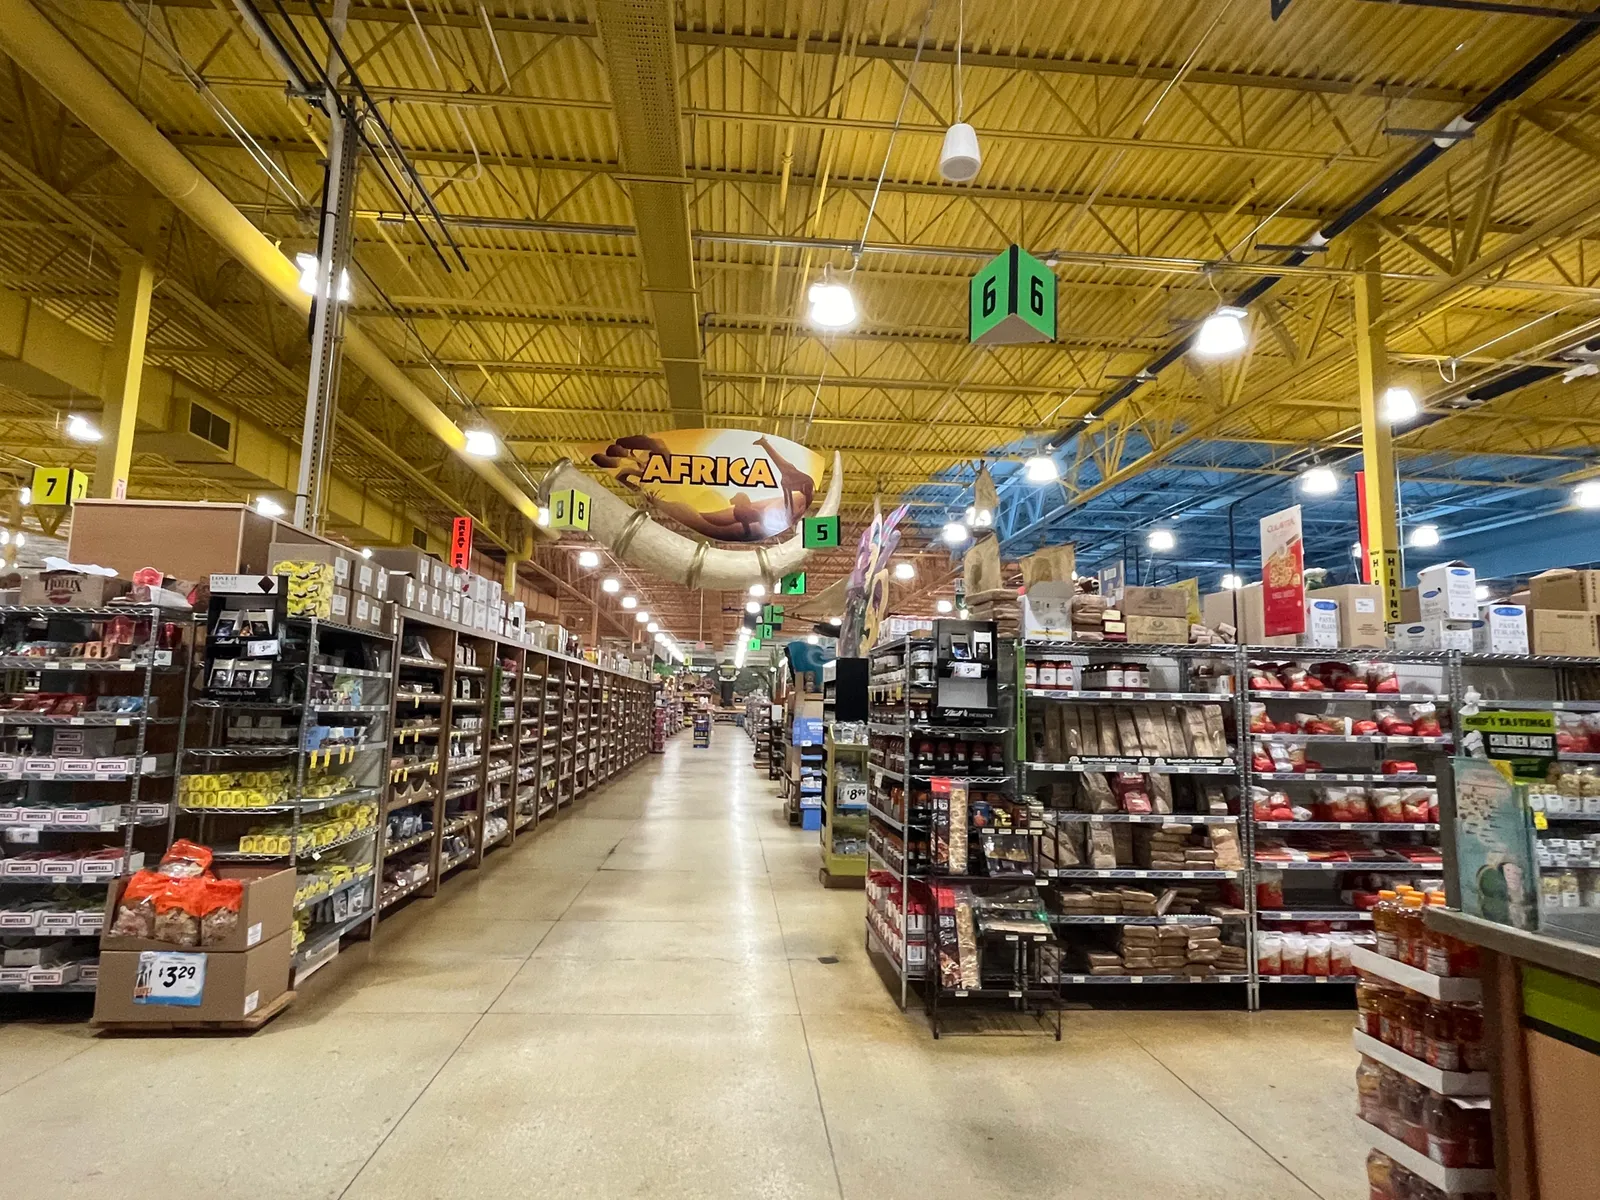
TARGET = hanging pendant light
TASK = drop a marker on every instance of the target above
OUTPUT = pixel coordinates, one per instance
(832, 305)
(960, 158)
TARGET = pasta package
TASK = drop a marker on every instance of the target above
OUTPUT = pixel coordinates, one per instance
(1052, 733)
(1128, 733)
(1071, 734)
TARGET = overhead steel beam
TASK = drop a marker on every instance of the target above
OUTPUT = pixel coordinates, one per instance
(641, 65)
(37, 47)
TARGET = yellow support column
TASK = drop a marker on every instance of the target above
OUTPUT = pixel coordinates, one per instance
(1377, 444)
(124, 362)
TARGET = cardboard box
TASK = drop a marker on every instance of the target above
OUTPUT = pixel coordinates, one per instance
(1361, 616)
(367, 577)
(1322, 622)
(1155, 602)
(337, 557)
(71, 589)
(1504, 630)
(229, 987)
(265, 912)
(1435, 635)
(1563, 589)
(1148, 630)
(1447, 592)
(339, 606)
(1410, 606)
(1554, 631)
(1240, 608)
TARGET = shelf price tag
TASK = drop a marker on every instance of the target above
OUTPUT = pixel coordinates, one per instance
(170, 977)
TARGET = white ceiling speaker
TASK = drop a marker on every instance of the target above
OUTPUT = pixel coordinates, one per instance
(960, 158)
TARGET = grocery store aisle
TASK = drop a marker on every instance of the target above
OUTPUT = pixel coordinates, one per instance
(655, 996)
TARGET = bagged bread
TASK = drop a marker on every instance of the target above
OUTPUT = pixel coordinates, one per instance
(1095, 789)
(1071, 735)
(1160, 789)
(1102, 848)
(1128, 733)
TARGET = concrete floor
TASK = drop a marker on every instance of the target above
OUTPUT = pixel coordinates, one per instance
(632, 1004)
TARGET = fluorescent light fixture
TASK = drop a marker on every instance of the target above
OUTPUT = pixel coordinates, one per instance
(641, 616)
(1424, 536)
(954, 533)
(752, 606)
(1481, 592)
(758, 589)
(1399, 405)
(652, 628)
(25, 497)
(1585, 495)
(366, 552)
(1041, 468)
(268, 507)
(611, 585)
(588, 559)
(1232, 582)
(1160, 539)
(832, 305)
(813, 640)
(308, 277)
(1319, 481)
(630, 602)
(79, 429)
(481, 443)
(944, 606)
(904, 570)
(1221, 334)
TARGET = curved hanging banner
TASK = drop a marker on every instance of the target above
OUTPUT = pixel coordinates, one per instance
(728, 485)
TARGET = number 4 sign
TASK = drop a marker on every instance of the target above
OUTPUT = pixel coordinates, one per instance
(170, 977)
(1012, 300)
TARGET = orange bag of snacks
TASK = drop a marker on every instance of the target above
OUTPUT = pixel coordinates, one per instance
(185, 860)
(221, 916)
(179, 907)
(136, 911)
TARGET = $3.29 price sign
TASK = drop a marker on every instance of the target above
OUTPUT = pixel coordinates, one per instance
(170, 977)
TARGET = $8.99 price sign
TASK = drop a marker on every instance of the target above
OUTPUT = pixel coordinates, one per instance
(170, 977)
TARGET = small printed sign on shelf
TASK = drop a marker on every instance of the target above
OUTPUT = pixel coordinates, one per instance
(170, 977)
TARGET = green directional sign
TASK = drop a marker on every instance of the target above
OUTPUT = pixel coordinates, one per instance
(772, 614)
(819, 533)
(1012, 300)
(755, 643)
(793, 585)
(763, 631)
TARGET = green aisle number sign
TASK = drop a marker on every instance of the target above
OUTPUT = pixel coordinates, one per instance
(793, 585)
(819, 533)
(1012, 300)
(772, 614)
(764, 632)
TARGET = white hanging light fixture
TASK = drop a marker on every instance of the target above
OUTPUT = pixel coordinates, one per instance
(1232, 583)
(832, 304)
(1221, 334)
(481, 443)
(1424, 536)
(268, 507)
(642, 617)
(1160, 539)
(904, 571)
(954, 533)
(1587, 494)
(944, 606)
(79, 429)
(308, 265)
(611, 585)
(959, 158)
(630, 602)
(588, 559)
(758, 589)
(752, 607)
(1318, 480)
(1041, 468)
(1399, 405)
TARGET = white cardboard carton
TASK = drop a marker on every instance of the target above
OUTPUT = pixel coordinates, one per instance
(1447, 592)
(1436, 635)
(1503, 629)
(1322, 623)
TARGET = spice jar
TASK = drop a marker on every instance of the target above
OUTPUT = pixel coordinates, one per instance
(1030, 673)
(1047, 673)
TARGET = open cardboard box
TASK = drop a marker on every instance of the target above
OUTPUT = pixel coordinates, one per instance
(266, 910)
(230, 987)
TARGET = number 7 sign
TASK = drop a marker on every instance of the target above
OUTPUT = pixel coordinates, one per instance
(54, 487)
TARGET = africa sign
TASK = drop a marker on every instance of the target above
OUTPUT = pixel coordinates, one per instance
(730, 485)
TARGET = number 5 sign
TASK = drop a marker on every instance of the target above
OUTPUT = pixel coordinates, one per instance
(54, 487)
(1012, 300)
